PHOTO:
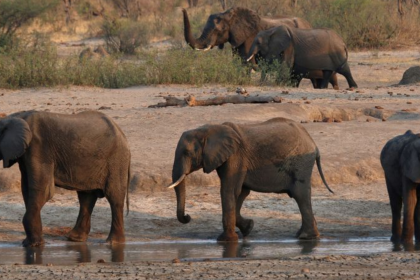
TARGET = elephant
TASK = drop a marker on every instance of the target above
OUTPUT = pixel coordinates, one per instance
(304, 51)
(86, 152)
(275, 156)
(400, 159)
(238, 26)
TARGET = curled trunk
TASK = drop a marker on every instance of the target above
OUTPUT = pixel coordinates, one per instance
(189, 38)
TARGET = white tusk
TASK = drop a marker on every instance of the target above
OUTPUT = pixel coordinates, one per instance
(177, 182)
(206, 49)
(251, 57)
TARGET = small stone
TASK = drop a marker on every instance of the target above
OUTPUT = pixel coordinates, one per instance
(49, 103)
(328, 120)
(104, 108)
(383, 119)
(398, 93)
(277, 99)
(407, 95)
(101, 261)
(390, 93)
(305, 270)
(176, 261)
(307, 102)
(368, 120)
(379, 107)
(360, 91)
(303, 121)
(409, 102)
(356, 99)
(411, 89)
(285, 92)
(304, 98)
(337, 120)
(3, 115)
(49, 264)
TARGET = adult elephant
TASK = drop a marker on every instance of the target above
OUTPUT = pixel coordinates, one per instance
(85, 152)
(238, 26)
(305, 51)
(276, 156)
(400, 159)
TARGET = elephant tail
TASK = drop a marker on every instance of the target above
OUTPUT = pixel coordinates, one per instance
(127, 201)
(318, 164)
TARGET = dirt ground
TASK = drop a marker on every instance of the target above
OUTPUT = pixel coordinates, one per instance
(349, 153)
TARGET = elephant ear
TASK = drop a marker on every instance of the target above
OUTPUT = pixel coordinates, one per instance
(281, 40)
(15, 136)
(410, 161)
(243, 24)
(221, 142)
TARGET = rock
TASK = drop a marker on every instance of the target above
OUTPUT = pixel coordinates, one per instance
(390, 93)
(383, 119)
(337, 120)
(104, 108)
(240, 90)
(411, 89)
(307, 102)
(409, 102)
(305, 270)
(3, 115)
(176, 261)
(411, 76)
(101, 261)
(285, 92)
(328, 120)
(379, 107)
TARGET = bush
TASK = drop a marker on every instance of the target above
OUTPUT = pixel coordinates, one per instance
(15, 13)
(275, 73)
(125, 35)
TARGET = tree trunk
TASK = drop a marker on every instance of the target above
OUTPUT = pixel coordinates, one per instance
(234, 99)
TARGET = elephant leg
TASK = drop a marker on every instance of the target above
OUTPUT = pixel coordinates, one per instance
(315, 82)
(417, 216)
(410, 201)
(326, 78)
(245, 225)
(345, 71)
(396, 205)
(115, 194)
(334, 82)
(302, 194)
(81, 230)
(230, 189)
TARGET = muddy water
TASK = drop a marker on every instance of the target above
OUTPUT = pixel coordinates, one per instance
(70, 253)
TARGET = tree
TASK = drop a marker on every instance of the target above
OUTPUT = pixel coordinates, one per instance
(192, 3)
(15, 13)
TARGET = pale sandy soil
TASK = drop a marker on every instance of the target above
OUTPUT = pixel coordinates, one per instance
(350, 158)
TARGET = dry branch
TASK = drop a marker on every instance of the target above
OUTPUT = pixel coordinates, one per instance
(234, 99)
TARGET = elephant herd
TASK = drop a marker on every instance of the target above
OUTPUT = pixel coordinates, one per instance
(317, 54)
(89, 153)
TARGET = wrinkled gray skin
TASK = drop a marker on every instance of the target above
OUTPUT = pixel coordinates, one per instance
(304, 50)
(86, 152)
(238, 26)
(276, 156)
(400, 159)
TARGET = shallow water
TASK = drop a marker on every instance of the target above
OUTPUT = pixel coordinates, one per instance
(191, 250)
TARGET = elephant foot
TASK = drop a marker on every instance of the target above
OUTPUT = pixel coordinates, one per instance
(247, 227)
(224, 237)
(75, 236)
(114, 239)
(33, 243)
(312, 235)
(396, 238)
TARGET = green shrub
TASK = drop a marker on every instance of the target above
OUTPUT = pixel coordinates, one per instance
(15, 13)
(274, 73)
(125, 35)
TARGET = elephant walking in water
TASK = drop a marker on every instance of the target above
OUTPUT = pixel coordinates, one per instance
(400, 159)
(86, 152)
(276, 156)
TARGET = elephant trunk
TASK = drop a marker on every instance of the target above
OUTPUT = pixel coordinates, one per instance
(197, 44)
(252, 52)
(178, 179)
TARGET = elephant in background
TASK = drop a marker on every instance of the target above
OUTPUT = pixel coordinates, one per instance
(400, 159)
(276, 156)
(85, 152)
(304, 51)
(238, 26)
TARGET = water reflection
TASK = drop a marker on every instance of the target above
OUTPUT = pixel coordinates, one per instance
(187, 250)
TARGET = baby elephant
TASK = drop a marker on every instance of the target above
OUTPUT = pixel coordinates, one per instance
(86, 152)
(276, 156)
(400, 159)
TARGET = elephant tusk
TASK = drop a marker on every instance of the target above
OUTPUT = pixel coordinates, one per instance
(251, 57)
(177, 182)
(208, 48)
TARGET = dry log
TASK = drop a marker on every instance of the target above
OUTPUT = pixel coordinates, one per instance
(234, 99)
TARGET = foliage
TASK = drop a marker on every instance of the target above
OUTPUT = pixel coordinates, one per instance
(125, 35)
(275, 73)
(15, 13)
